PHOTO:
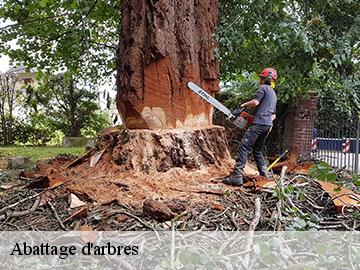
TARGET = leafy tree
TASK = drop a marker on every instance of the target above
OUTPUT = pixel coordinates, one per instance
(96, 123)
(9, 91)
(35, 130)
(308, 42)
(74, 35)
(67, 102)
(339, 105)
(313, 44)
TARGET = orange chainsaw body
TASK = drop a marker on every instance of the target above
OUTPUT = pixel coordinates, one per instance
(243, 120)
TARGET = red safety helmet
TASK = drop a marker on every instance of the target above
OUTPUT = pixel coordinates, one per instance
(269, 72)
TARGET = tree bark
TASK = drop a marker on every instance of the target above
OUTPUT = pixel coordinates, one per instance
(169, 146)
(8, 93)
(164, 45)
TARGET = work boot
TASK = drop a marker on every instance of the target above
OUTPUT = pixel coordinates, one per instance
(264, 172)
(234, 180)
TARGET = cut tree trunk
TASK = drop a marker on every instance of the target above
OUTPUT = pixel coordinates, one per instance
(169, 147)
(164, 45)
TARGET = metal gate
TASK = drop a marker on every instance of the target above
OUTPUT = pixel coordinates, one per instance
(338, 145)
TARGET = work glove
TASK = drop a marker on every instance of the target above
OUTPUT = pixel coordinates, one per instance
(237, 111)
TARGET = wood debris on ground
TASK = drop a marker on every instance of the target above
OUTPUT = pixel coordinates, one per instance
(289, 201)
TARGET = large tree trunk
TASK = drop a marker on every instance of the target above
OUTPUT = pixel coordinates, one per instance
(169, 147)
(163, 45)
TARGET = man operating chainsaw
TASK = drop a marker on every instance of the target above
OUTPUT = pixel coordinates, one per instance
(254, 138)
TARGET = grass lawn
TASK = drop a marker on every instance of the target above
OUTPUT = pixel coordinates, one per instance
(36, 153)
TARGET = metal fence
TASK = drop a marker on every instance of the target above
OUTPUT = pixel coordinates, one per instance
(338, 145)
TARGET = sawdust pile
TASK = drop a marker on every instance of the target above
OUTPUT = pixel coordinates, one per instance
(130, 166)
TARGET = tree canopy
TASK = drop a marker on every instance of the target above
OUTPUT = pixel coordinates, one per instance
(66, 103)
(69, 35)
(308, 42)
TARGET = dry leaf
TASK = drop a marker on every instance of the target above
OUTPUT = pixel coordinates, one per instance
(75, 201)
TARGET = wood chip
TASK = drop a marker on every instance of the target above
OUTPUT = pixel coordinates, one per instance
(78, 213)
(218, 207)
(122, 218)
(80, 159)
(96, 157)
(342, 197)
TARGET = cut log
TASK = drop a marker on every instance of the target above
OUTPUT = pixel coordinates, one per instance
(163, 45)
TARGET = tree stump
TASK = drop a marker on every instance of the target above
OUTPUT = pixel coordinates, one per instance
(139, 164)
(151, 152)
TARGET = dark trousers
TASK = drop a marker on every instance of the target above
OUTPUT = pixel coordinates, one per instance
(254, 138)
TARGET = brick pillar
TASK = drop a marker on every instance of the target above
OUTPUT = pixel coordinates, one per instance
(300, 123)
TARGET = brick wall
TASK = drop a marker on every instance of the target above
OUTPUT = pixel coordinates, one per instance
(299, 124)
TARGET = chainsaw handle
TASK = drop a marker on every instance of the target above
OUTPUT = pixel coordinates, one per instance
(237, 111)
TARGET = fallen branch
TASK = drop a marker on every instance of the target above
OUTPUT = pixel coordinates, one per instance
(21, 201)
(257, 213)
(281, 186)
(211, 192)
(57, 216)
(10, 224)
(232, 218)
(175, 219)
(22, 213)
(252, 226)
(77, 213)
(312, 203)
(278, 216)
(116, 212)
(9, 186)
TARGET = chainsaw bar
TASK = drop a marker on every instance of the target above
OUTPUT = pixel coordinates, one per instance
(202, 93)
(241, 120)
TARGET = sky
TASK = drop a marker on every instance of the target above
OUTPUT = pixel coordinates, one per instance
(4, 60)
(4, 64)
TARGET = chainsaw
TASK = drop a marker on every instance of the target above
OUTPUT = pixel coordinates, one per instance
(238, 117)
